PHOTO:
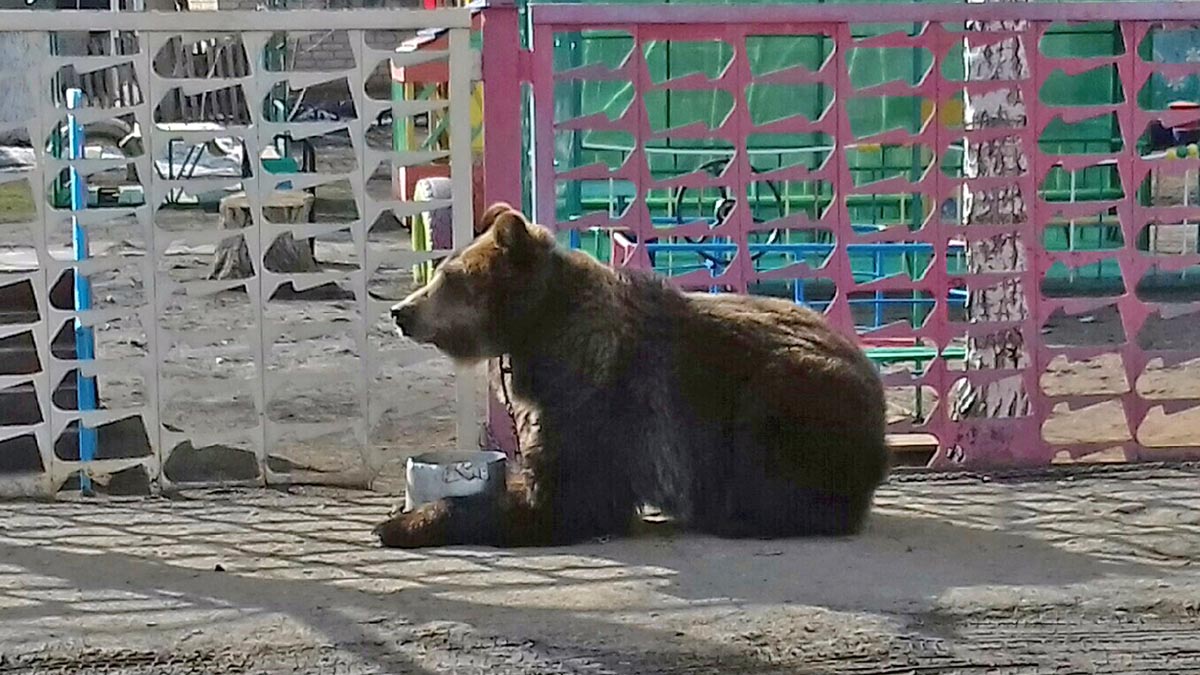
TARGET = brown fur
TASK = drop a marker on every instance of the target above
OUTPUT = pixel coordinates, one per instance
(488, 217)
(741, 416)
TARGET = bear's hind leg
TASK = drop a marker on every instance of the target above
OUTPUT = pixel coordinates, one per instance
(787, 479)
(777, 509)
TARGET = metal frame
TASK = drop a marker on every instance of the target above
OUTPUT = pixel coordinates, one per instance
(600, 14)
(973, 441)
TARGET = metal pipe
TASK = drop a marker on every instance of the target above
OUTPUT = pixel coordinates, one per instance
(85, 345)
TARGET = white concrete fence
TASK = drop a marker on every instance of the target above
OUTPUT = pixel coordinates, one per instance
(272, 377)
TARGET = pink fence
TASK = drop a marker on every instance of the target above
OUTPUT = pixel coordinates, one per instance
(1006, 344)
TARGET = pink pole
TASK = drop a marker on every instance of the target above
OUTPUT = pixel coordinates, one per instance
(502, 160)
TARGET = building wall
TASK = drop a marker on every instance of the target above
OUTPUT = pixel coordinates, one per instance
(16, 101)
(331, 50)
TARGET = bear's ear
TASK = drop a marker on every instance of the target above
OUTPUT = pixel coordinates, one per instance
(512, 235)
(488, 218)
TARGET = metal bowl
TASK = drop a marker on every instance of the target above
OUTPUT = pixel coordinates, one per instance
(436, 475)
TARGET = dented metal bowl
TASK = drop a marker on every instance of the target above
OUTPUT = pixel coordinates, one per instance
(436, 475)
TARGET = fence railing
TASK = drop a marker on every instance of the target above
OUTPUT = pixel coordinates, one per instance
(1055, 169)
(209, 304)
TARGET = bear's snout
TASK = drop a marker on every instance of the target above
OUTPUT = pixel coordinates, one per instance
(404, 316)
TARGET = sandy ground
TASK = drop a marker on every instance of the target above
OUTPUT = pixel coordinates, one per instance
(1091, 574)
(209, 385)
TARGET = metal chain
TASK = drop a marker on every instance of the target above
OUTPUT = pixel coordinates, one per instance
(505, 373)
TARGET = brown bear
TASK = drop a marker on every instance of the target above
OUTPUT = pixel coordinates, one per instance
(740, 416)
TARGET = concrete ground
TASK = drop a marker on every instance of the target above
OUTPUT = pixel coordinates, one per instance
(1091, 573)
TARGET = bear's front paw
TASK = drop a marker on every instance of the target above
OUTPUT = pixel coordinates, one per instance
(417, 529)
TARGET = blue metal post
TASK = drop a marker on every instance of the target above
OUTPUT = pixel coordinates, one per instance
(85, 346)
(878, 274)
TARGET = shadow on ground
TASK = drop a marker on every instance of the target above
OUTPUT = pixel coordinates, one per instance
(296, 579)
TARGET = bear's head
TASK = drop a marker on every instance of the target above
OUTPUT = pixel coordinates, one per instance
(479, 298)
